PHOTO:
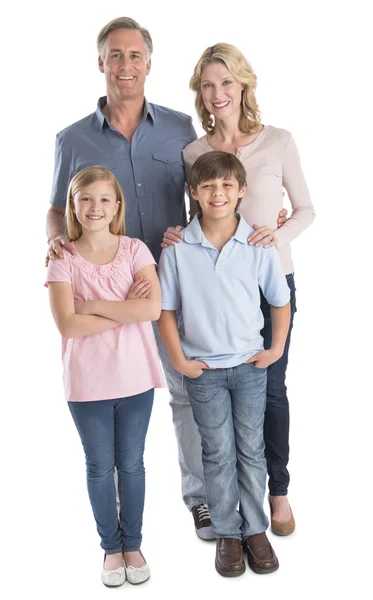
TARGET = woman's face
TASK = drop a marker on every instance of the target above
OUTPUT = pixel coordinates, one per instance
(221, 93)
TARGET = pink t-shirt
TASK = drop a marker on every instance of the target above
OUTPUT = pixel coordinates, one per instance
(118, 362)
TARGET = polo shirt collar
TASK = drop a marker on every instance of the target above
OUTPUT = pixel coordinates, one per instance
(193, 233)
(148, 111)
(243, 230)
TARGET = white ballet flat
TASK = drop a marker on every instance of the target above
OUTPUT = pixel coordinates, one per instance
(137, 575)
(114, 578)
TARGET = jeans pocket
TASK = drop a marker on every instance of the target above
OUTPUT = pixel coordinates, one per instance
(193, 378)
(252, 365)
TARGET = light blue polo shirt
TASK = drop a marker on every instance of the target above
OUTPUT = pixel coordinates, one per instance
(218, 293)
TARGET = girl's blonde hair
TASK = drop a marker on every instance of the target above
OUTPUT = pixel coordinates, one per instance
(242, 72)
(83, 179)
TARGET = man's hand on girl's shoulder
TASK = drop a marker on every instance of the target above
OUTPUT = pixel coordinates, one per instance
(57, 245)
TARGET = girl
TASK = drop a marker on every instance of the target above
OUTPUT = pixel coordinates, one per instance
(103, 299)
(224, 84)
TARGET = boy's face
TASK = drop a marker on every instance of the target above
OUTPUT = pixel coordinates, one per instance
(218, 197)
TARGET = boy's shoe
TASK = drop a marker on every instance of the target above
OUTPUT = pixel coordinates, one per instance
(282, 528)
(229, 561)
(136, 575)
(260, 554)
(113, 578)
(202, 522)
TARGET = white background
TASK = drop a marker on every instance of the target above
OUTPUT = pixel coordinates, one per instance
(314, 68)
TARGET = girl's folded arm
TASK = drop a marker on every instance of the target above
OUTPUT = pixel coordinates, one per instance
(134, 310)
(69, 324)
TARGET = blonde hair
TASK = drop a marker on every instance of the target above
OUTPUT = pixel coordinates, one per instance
(123, 23)
(242, 72)
(83, 179)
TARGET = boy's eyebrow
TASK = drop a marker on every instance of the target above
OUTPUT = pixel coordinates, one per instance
(223, 178)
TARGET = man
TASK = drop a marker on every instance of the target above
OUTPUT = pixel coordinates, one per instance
(142, 144)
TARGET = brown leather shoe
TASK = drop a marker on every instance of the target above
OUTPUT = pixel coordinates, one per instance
(282, 528)
(260, 554)
(229, 560)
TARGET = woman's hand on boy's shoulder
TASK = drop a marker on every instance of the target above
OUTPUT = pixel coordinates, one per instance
(262, 236)
(265, 236)
(172, 236)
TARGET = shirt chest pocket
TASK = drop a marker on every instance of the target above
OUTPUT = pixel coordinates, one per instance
(168, 170)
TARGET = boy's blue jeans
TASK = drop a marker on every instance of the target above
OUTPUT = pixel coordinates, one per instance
(228, 406)
(113, 435)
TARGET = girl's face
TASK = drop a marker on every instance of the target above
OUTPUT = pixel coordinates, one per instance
(95, 206)
(221, 93)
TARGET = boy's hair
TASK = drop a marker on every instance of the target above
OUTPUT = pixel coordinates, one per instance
(123, 23)
(217, 164)
(83, 179)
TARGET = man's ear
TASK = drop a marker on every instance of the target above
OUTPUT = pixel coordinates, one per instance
(101, 64)
(148, 66)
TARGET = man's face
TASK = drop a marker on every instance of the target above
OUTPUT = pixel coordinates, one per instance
(125, 64)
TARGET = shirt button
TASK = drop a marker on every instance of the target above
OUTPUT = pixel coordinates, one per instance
(139, 185)
(143, 213)
(147, 240)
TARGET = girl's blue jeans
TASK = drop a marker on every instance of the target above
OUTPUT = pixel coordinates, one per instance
(113, 435)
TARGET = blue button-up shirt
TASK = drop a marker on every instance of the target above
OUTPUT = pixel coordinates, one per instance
(149, 169)
(218, 293)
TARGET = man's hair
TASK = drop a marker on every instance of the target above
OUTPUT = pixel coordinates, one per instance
(123, 23)
(81, 180)
(217, 164)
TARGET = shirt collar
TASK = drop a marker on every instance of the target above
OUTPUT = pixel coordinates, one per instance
(193, 233)
(148, 111)
(243, 230)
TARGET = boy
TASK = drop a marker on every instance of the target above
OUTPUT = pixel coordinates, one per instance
(213, 276)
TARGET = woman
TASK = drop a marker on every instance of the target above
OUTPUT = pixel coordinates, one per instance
(224, 85)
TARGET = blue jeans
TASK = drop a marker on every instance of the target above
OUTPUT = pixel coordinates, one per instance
(113, 435)
(277, 421)
(228, 406)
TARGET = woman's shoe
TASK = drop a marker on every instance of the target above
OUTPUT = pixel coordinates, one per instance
(137, 575)
(279, 528)
(114, 578)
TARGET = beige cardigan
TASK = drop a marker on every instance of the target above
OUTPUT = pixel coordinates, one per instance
(271, 162)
